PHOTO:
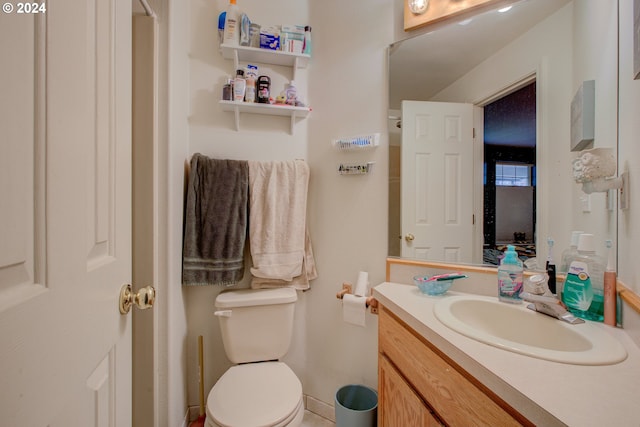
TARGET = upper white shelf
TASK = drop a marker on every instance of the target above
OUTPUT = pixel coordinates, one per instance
(265, 56)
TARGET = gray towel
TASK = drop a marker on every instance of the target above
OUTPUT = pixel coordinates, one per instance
(215, 228)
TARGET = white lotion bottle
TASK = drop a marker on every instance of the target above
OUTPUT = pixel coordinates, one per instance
(239, 86)
(232, 25)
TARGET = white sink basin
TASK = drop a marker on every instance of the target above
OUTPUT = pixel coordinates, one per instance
(515, 328)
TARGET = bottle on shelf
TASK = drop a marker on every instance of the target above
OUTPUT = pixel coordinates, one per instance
(251, 77)
(307, 40)
(290, 93)
(227, 90)
(239, 86)
(232, 24)
(264, 88)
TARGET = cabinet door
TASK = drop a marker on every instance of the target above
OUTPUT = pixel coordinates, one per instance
(399, 405)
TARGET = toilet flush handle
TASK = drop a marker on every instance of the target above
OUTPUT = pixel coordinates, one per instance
(223, 313)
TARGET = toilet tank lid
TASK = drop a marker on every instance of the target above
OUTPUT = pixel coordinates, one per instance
(251, 297)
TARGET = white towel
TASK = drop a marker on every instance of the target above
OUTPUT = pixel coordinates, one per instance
(280, 245)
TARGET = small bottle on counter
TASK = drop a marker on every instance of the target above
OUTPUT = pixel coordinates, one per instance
(610, 294)
(239, 86)
(570, 252)
(510, 277)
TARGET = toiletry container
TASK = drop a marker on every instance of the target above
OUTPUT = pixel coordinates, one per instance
(221, 20)
(232, 24)
(259, 389)
(570, 252)
(251, 77)
(290, 93)
(510, 277)
(227, 90)
(264, 89)
(245, 32)
(307, 40)
(239, 86)
(583, 291)
(610, 293)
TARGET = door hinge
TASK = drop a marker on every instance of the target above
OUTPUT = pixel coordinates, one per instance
(474, 133)
(473, 219)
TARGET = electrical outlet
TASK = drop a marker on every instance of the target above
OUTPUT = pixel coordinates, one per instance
(624, 191)
(585, 200)
(611, 199)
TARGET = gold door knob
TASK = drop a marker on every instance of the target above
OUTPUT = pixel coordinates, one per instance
(143, 299)
(409, 237)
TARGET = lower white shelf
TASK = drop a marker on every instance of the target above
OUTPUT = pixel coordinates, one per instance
(238, 107)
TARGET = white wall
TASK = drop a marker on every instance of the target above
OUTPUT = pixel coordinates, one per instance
(595, 57)
(345, 85)
(545, 50)
(562, 55)
(629, 152)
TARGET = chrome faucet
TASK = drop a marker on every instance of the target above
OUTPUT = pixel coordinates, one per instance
(550, 306)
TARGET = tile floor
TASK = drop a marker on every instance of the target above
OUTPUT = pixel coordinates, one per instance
(312, 420)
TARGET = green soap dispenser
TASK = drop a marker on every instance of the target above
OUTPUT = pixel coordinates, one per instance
(583, 291)
(510, 277)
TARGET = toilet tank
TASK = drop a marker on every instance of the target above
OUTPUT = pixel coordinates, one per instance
(256, 324)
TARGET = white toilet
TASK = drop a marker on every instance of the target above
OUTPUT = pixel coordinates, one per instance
(258, 391)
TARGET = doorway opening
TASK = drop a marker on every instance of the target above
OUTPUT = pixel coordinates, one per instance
(509, 179)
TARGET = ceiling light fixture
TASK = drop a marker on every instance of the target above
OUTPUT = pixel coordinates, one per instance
(505, 9)
(418, 7)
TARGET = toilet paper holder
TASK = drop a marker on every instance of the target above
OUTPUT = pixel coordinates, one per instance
(371, 302)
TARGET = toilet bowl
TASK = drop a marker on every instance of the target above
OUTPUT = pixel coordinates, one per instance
(259, 390)
(264, 394)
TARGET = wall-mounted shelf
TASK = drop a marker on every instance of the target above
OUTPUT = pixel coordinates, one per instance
(265, 56)
(238, 107)
(357, 143)
(355, 168)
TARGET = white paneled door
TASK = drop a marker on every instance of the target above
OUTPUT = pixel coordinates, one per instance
(65, 213)
(437, 181)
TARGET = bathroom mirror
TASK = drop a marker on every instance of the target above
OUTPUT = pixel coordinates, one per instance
(540, 49)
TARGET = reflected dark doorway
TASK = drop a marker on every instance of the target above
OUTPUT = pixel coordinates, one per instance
(510, 174)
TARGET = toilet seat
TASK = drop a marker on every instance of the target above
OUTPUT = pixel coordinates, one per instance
(266, 394)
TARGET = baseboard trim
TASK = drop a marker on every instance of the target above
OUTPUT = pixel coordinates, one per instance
(320, 408)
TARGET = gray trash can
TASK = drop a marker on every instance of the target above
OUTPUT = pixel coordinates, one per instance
(356, 406)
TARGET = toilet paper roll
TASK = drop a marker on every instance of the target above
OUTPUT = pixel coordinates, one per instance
(354, 309)
(361, 284)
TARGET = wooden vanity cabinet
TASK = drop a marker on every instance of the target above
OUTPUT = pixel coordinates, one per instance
(418, 386)
(402, 406)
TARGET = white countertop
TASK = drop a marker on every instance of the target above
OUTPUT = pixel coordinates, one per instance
(547, 393)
